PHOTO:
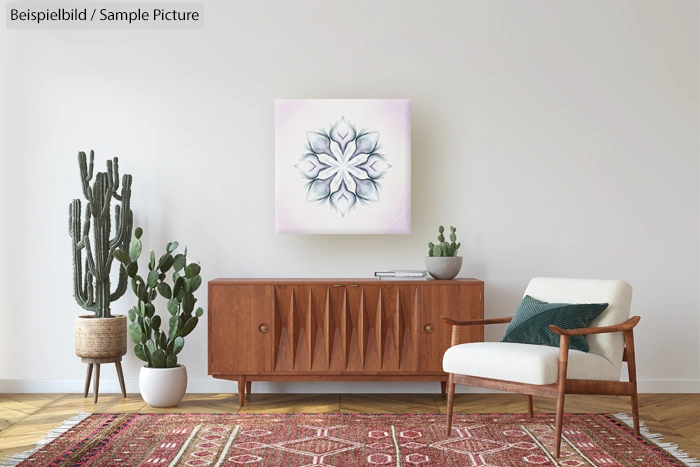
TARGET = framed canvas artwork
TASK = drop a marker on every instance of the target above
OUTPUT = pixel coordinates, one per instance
(343, 166)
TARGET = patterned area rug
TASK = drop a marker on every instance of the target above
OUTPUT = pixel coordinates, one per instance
(324, 440)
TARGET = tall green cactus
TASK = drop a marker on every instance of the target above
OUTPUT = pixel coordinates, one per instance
(155, 346)
(443, 248)
(91, 286)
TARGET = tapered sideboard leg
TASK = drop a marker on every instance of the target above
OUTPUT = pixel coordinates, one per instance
(248, 388)
(241, 390)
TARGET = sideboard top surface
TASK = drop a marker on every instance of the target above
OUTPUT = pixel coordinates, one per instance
(340, 281)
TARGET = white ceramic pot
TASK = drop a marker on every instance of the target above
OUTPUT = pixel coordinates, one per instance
(443, 267)
(163, 387)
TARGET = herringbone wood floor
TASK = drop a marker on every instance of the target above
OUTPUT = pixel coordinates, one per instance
(25, 418)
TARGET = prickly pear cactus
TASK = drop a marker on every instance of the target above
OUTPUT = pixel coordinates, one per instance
(91, 281)
(443, 248)
(155, 342)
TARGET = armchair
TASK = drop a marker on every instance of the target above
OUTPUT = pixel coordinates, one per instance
(549, 371)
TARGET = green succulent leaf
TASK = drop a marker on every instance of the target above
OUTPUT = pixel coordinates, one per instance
(158, 357)
(189, 326)
(138, 351)
(144, 338)
(178, 345)
(173, 306)
(152, 263)
(171, 361)
(135, 249)
(195, 282)
(186, 285)
(163, 340)
(132, 269)
(192, 270)
(149, 309)
(162, 276)
(169, 347)
(122, 256)
(134, 285)
(152, 278)
(178, 285)
(176, 276)
(173, 323)
(148, 356)
(135, 333)
(188, 303)
(172, 246)
(141, 292)
(154, 294)
(166, 263)
(199, 312)
(155, 322)
(164, 290)
(132, 314)
(150, 346)
(179, 262)
(138, 232)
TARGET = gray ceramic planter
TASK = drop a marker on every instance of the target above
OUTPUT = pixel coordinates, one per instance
(443, 268)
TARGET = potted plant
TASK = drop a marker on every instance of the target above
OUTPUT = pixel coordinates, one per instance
(162, 381)
(442, 261)
(99, 335)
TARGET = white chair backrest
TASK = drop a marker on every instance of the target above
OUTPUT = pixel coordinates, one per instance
(618, 295)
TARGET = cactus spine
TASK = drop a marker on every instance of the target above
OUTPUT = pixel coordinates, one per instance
(443, 248)
(91, 285)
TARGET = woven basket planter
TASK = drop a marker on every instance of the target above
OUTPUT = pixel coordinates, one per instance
(100, 337)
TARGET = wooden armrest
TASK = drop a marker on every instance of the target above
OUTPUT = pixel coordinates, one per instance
(476, 322)
(626, 326)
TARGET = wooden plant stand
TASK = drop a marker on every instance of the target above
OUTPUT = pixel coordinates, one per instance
(96, 362)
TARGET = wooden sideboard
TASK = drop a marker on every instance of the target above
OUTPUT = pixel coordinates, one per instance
(336, 329)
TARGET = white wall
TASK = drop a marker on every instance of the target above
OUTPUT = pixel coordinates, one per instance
(561, 138)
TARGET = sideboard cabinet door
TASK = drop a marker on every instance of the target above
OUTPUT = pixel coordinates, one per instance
(461, 302)
(241, 328)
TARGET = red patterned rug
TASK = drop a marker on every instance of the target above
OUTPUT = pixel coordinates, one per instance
(325, 440)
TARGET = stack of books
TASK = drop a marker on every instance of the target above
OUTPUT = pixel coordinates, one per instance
(402, 274)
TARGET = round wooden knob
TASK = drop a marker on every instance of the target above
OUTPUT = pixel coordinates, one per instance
(428, 328)
(263, 328)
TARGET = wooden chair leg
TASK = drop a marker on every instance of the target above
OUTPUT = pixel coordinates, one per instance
(248, 388)
(450, 402)
(88, 377)
(443, 387)
(96, 387)
(561, 392)
(241, 391)
(530, 409)
(632, 372)
(120, 375)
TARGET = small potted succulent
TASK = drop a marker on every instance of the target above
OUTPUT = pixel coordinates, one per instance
(162, 381)
(442, 261)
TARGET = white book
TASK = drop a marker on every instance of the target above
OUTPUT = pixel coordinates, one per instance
(402, 278)
(414, 273)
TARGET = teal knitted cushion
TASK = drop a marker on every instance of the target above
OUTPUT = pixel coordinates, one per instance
(530, 324)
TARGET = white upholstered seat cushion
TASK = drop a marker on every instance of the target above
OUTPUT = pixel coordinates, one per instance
(524, 363)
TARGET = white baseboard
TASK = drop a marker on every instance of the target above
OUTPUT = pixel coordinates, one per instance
(216, 386)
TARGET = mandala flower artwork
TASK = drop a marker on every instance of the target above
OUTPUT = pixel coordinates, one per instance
(343, 166)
